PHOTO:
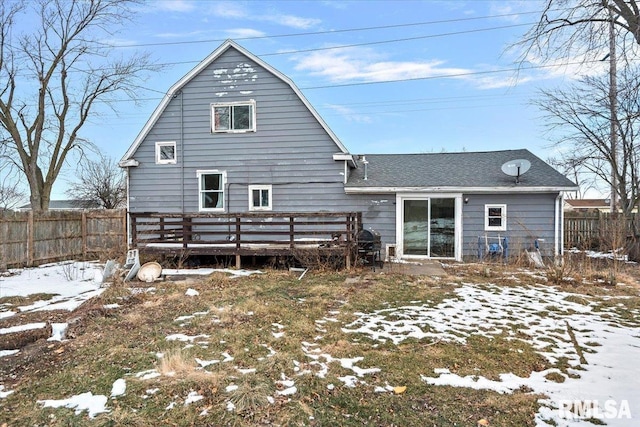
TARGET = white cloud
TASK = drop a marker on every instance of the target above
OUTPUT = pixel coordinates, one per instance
(236, 11)
(238, 33)
(291, 21)
(499, 81)
(514, 8)
(184, 35)
(349, 114)
(228, 10)
(568, 68)
(175, 5)
(353, 64)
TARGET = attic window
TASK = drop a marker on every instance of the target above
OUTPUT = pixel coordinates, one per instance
(166, 153)
(495, 217)
(233, 117)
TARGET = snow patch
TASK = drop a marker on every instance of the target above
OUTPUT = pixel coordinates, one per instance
(118, 388)
(94, 405)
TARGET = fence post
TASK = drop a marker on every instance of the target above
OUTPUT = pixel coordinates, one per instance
(83, 231)
(3, 244)
(125, 229)
(30, 239)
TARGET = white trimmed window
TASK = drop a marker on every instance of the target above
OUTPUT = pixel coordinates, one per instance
(495, 217)
(259, 197)
(166, 153)
(233, 117)
(211, 185)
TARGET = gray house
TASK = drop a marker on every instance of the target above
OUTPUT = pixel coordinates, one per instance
(236, 136)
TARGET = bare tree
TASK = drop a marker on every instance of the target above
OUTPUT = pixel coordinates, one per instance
(53, 78)
(10, 192)
(579, 117)
(100, 183)
(569, 28)
(571, 167)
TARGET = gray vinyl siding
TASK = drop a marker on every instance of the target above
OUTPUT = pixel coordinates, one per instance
(529, 217)
(290, 150)
(378, 213)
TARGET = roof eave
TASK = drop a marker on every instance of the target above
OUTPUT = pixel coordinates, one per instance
(128, 163)
(496, 189)
(346, 157)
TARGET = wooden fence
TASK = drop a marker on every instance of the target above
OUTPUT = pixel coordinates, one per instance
(28, 238)
(598, 230)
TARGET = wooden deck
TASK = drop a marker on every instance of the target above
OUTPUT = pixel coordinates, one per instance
(247, 234)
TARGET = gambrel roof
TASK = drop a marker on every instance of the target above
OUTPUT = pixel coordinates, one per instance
(127, 159)
(466, 171)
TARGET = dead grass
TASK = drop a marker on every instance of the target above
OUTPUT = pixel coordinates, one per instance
(175, 363)
(243, 321)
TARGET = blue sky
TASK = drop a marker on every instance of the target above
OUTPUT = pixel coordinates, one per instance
(387, 76)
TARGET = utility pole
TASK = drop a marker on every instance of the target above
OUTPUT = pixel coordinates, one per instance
(613, 100)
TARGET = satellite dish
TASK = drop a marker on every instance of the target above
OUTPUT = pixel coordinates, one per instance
(516, 168)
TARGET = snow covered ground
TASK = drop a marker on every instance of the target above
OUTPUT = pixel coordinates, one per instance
(545, 317)
(609, 382)
(70, 283)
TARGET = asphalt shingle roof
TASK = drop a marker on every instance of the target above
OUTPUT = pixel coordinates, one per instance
(466, 169)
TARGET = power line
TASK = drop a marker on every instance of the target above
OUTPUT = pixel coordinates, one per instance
(442, 76)
(426, 100)
(397, 40)
(453, 33)
(415, 110)
(344, 30)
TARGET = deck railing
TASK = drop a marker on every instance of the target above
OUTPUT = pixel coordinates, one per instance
(263, 233)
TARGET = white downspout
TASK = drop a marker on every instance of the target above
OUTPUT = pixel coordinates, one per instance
(128, 209)
(559, 228)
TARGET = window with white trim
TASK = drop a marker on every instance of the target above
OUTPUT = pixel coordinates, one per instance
(495, 217)
(211, 185)
(260, 197)
(166, 153)
(233, 117)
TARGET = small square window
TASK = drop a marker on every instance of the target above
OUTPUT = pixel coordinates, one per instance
(165, 153)
(233, 117)
(260, 197)
(495, 218)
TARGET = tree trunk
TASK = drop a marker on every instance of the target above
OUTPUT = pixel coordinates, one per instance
(40, 191)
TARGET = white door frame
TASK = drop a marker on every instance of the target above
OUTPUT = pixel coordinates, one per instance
(401, 197)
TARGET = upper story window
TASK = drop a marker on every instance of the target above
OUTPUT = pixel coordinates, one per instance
(495, 217)
(166, 153)
(233, 117)
(211, 186)
(260, 197)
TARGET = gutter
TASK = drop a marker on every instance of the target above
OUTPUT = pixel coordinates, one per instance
(452, 189)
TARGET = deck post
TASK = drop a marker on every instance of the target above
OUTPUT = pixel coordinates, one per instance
(292, 240)
(186, 232)
(347, 256)
(238, 257)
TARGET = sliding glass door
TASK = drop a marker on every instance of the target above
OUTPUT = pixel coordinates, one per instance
(428, 227)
